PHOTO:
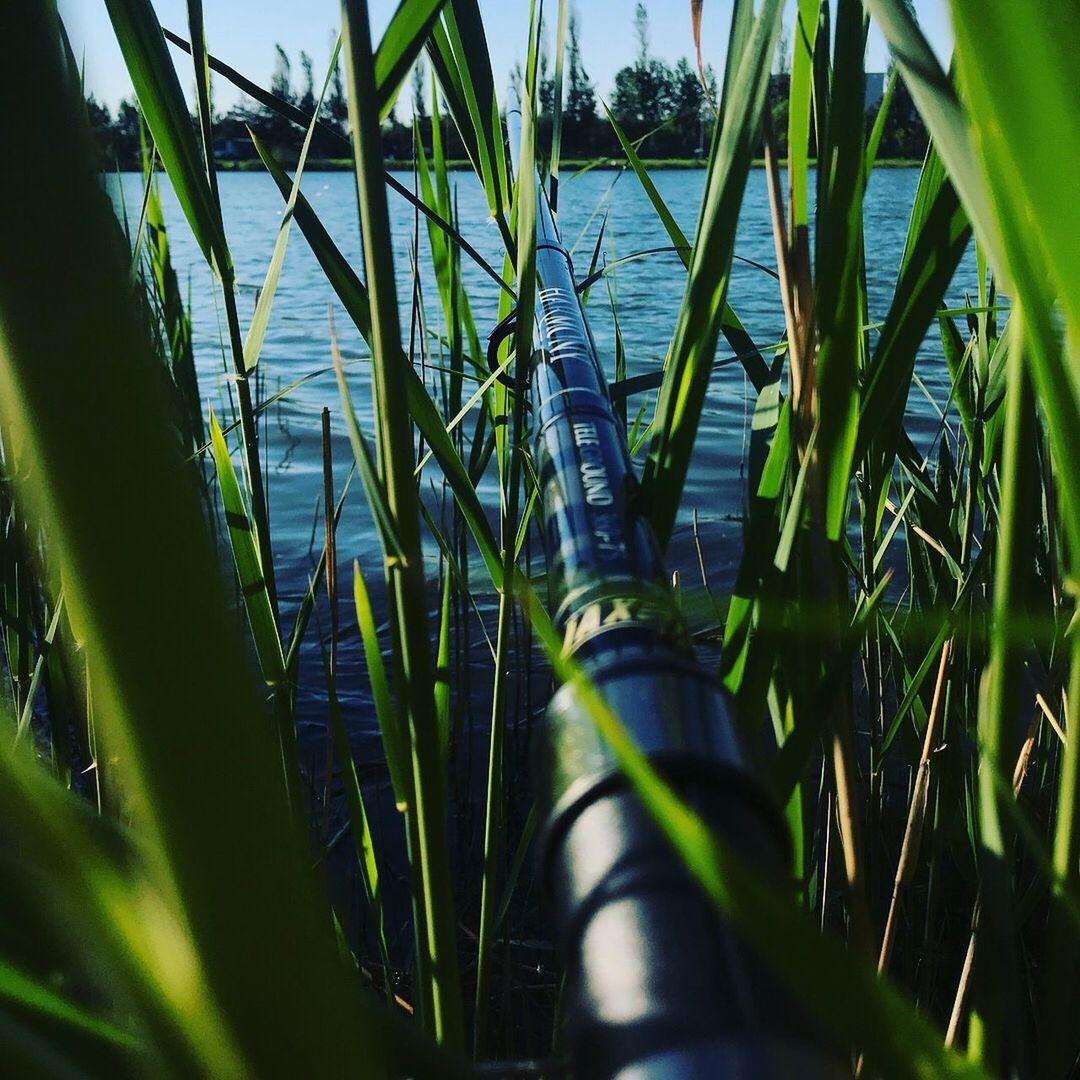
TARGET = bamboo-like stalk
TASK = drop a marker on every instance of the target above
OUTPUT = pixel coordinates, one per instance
(909, 849)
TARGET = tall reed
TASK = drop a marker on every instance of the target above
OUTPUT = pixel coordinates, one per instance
(898, 640)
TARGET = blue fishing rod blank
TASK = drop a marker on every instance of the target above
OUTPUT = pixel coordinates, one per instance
(657, 985)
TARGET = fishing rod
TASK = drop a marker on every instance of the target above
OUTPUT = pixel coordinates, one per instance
(657, 984)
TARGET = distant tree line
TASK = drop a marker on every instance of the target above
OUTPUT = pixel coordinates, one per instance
(665, 105)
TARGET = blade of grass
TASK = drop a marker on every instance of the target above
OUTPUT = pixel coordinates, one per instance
(26, 992)
(385, 712)
(193, 177)
(730, 324)
(459, 54)
(839, 261)
(249, 561)
(302, 119)
(525, 209)
(557, 115)
(686, 376)
(804, 37)
(253, 343)
(401, 43)
(172, 697)
(354, 297)
(162, 102)
(405, 575)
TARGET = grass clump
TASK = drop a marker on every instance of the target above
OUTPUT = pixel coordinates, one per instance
(899, 639)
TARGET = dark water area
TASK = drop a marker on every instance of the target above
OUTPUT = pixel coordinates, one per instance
(648, 294)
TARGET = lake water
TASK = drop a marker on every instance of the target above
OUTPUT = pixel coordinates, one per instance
(649, 293)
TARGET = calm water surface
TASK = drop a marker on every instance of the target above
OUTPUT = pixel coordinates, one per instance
(649, 292)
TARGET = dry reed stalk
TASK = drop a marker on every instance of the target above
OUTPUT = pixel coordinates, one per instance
(797, 294)
(909, 851)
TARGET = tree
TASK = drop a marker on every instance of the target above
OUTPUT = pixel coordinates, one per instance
(690, 105)
(101, 128)
(337, 108)
(783, 53)
(271, 127)
(127, 135)
(687, 93)
(580, 95)
(642, 95)
(641, 29)
(545, 83)
(903, 134)
(307, 98)
(281, 80)
(419, 99)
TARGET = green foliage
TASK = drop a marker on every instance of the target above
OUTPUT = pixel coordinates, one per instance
(161, 914)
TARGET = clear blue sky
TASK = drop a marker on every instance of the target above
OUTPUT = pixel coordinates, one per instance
(243, 33)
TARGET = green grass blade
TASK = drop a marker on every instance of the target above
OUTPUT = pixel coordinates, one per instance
(307, 604)
(194, 179)
(557, 118)
(998, 975)
(26, 992)
(401, 43)
(839, 264)
(459, 56)
(525, 195)
(938, 234)
(202, 96)
(804, 38)
(261, 318)
(367, 467)
(176, 318)
(443, 662)
(249, 562)
(162, 102)
(405, 576)
(1037, 77)
(517, 864)
(745, 665)
(686, 377)
(1007, 184)
(75, 870)
(363, 840)
(939, 107)
(385, 712)
(27, 713)
(354, 296)
(173, 701)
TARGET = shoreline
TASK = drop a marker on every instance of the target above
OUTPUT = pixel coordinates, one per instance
(568, 164)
